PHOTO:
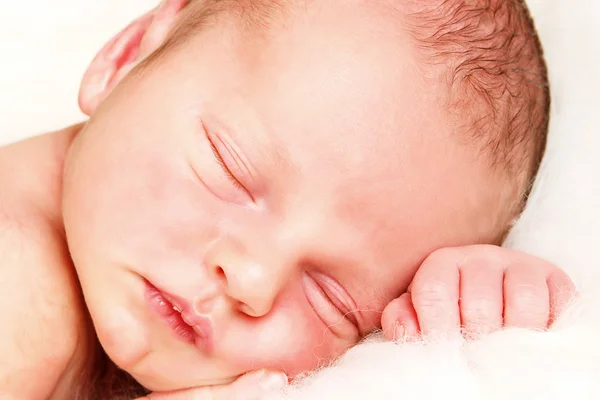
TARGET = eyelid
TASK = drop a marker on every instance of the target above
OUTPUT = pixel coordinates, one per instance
(341, 321)
(215, 145)
(235, 156)
(341, 299)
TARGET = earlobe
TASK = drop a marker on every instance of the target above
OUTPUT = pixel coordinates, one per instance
(119, 56)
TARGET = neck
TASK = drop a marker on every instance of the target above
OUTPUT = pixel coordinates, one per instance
(92, 375)
(77, 377)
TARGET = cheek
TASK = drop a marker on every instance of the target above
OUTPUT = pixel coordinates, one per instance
(136, 208)
(292, 339)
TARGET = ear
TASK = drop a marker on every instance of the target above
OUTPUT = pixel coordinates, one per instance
(127, 49)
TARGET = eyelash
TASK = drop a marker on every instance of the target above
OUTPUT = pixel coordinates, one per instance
(325, 296)
(224, 167)
(343, 309)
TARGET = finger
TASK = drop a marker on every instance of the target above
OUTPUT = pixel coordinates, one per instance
(481, 295)
(399, 319)
(526, 297)
(435, 293)
(252, 386)
(562, 291)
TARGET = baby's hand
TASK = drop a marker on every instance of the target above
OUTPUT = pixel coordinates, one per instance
(479, 289)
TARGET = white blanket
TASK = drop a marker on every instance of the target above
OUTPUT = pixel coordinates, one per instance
(46, 44)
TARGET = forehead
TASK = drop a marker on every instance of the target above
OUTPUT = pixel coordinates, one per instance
(338, 79)
(331, 109)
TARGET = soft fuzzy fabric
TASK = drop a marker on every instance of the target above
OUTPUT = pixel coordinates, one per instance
(45, 45)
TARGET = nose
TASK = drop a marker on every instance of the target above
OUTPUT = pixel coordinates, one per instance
(252, 282)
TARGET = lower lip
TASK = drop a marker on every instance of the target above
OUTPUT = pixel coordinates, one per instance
(161, 306)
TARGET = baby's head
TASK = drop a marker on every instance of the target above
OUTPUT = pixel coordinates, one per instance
(277, 170)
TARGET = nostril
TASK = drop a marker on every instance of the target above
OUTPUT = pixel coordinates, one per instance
(246, 310)
(220, 273)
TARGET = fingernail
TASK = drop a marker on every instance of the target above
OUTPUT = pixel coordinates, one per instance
(275, 382)
(400, 332)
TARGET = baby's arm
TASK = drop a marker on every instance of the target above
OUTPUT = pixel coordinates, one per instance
(478, 289)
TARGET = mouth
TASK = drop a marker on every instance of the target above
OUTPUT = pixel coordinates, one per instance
(180, 317)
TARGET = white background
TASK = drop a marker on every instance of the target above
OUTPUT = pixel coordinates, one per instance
(45, 47)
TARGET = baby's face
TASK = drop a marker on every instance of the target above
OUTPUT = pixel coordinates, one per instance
(277, 191)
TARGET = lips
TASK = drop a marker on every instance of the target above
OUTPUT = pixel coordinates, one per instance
(181, 318)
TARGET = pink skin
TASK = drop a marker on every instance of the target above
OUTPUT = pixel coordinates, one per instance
(479, 289)
(346, 176)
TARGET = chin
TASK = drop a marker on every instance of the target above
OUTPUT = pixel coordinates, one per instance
(122, 336)
(162, 383)
(177, 368)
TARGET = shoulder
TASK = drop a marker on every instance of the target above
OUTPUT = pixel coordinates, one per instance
(40, 306)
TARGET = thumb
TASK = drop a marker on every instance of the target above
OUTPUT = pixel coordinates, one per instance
(251, 386)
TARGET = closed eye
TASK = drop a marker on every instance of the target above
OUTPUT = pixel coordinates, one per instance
(332, 316)
(224, 167)
(223, 164)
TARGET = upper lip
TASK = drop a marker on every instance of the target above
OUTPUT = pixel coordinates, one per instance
(201, 324)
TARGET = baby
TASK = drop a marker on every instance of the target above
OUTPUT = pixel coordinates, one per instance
(263, 183)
